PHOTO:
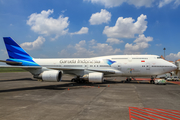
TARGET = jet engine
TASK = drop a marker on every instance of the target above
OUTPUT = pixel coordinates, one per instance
(50, 76)
(94, 77)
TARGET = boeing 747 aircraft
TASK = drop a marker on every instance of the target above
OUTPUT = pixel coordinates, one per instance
(86, 69)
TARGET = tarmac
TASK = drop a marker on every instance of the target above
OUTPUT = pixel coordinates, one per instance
(23, 98)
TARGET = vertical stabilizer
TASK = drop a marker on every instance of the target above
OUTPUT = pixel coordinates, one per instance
(17, 54)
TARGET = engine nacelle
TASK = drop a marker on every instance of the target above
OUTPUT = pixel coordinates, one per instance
(51, 76)
(95, 77)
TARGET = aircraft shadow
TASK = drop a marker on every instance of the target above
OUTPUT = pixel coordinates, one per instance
(22, 79)
(52, 87)
(131, 82)
(71, 85)
(126, 82)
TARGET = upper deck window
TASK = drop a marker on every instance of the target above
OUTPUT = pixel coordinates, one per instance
(119, 58)
(159, 58)
(139, 58)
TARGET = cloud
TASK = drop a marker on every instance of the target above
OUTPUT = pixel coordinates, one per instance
(3, 56)
(142, 38)
(126, 27)
(83, 30)
(136, 3)
(63, 11)
(79, 50)
(92, 42)
(105, 49)
(164, 2)
(140, 3)
(2, 1)
(177, 3)
(33, 45)
(158, 45)
(43, 24)
(115, 3)
(107, 3)
(173, 56)
(100, 17)
(88, 49)
(4, 51)
(141, 43)
(114, 41)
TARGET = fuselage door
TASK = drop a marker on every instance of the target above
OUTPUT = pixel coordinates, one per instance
(86, 66)
(147, 66)
(130, 58)
(119, 67)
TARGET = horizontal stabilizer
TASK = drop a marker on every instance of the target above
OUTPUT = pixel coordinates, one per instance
(32, 67)
(11, 62)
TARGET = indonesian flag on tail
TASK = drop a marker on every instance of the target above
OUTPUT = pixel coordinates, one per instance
(142, 60)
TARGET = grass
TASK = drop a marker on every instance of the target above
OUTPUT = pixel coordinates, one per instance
(11, 70)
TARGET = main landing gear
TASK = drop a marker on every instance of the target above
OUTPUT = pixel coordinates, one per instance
(128, 79)
(78, 80)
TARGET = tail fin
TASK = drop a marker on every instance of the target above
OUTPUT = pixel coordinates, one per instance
(17, 54)
(14, 50)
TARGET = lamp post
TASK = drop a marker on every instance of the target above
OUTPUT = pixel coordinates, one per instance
(164, 52)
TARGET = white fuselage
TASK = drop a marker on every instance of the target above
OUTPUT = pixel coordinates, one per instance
(124, 65)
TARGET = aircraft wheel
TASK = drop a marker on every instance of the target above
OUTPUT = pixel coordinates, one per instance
(73, 80)
(78, 81)
(128, 79)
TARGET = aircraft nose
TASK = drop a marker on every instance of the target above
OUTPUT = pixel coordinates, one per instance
(174, 66)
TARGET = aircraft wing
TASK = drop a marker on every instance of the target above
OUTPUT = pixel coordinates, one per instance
(106, 71)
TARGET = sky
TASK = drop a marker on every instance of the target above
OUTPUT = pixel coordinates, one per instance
(90, 28)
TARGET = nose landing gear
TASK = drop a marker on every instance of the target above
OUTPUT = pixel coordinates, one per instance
(152, 80)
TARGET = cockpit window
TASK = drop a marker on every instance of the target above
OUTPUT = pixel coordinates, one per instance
(159, 58)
